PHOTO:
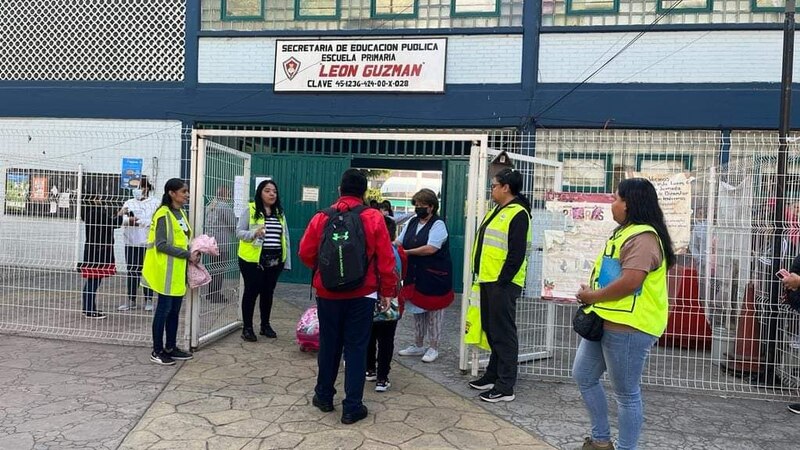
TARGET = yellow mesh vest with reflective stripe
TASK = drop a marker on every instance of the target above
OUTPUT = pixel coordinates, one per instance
(251, 251)
(646, 310)
(494, 250)
(163, 273)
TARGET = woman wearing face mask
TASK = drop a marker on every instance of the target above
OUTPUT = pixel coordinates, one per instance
(263, 255)
(136, 215)
(428, 284)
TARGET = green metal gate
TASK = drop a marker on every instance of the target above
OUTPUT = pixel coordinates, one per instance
(292, 173)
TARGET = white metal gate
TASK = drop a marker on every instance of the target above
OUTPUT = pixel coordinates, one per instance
(218, 173)
(535, 319)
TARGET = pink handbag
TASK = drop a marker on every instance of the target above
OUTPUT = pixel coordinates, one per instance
(197, 275)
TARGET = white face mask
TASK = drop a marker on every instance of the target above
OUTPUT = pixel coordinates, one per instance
(138, 194)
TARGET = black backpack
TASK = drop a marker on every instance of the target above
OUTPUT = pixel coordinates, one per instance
(342, 258)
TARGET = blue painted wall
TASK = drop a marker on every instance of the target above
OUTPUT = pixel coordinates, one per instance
(659, 106)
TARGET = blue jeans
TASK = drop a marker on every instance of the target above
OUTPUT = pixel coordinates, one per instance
(167, 315)
(89, 293)
(344, 325)
(623, 354)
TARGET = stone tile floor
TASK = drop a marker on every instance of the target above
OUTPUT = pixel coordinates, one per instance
(238, 395)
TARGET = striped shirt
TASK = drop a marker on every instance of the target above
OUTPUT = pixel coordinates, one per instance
(272, 233)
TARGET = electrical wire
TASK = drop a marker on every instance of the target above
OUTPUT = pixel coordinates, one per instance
(630, 43)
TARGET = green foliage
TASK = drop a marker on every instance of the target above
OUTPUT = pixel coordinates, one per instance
(374, 194)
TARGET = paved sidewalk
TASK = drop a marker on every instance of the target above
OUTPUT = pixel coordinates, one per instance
(73, 395)
(238, 395)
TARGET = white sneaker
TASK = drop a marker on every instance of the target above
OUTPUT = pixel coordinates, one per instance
(148, 306)
(430, 355)
(124, 307)
(412, 350)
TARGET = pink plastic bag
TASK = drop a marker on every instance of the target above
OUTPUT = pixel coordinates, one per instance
(308, 330)
(197, 275)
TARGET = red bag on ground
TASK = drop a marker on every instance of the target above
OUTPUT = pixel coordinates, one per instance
(308, 330)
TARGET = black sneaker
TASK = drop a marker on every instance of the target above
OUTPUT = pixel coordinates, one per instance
(482, 384)
(97, 315)
(794, 407)
(248, 335)
(494, 396)
(178, 354)
(371, 375)
(323, 406)
(266, 330)
(382, 386)
(161, 359)
(354, 417)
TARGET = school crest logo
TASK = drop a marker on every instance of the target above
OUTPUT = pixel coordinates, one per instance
(291, 67)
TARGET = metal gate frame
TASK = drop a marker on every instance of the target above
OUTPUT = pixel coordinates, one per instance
(197, 210)
(470, 357)
(197, 189)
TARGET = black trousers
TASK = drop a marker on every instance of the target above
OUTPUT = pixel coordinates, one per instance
(258, 283)
(382, 340)
(498, 319)
(134, 260)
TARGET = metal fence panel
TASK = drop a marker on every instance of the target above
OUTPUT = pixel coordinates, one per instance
(725, 334)
(63, 183)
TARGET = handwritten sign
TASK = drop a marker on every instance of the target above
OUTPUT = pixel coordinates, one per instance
(675, 198)
(310, 193)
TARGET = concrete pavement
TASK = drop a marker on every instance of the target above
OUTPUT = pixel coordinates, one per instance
(72, 395)
(240, 395)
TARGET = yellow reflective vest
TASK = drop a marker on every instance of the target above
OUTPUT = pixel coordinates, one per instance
(646, 309)
(250, 251)
(163, 273)
(494, 250)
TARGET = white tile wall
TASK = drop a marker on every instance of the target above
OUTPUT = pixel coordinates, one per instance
(664, 57)
(470, 60)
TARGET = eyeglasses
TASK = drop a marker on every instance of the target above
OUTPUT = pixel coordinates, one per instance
(494, 185)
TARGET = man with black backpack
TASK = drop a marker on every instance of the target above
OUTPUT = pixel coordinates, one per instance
(348, 248)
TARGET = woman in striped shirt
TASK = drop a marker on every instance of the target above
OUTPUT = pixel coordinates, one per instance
(263, 255)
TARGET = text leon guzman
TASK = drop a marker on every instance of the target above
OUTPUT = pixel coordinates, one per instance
(370, 52)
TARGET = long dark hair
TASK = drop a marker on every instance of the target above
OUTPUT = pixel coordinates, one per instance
(172, 185)
(261, 212)
(514, 181)
(641, 201)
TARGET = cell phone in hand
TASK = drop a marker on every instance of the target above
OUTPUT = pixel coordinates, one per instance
(783, 273)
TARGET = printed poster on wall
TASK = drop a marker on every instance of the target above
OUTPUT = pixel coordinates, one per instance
(17, 185)
(131, 173)
(39, 192)
(570, 252)
(675, 198)
(360, 65)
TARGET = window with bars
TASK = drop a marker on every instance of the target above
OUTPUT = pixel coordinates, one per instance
(475, 7)
(394, 8)
(592, 6)
(242, 9)
(326, 15)
(669, 12)
(316, 9)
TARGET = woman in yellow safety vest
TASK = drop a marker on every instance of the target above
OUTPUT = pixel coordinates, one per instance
(628, 290)
(164, 269)
(263, 255)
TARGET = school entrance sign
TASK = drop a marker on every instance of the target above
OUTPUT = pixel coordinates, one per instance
(360, 65)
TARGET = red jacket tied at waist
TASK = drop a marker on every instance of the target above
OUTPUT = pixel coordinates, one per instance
(379, 252)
